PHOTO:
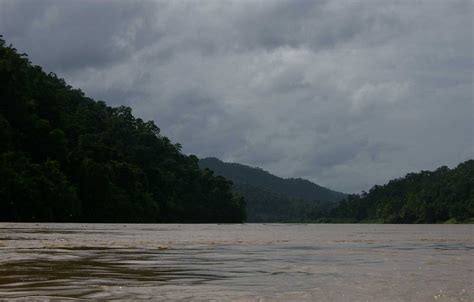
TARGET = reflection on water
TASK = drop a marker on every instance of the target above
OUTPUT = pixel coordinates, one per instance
(249, 262)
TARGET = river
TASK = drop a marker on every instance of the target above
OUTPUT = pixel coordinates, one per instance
(237, 262)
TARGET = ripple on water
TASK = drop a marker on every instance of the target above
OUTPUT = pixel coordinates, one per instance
(248, 262)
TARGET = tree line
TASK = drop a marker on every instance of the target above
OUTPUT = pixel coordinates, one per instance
(443, 195)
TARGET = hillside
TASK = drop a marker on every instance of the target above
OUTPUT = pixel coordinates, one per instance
(66, 157)
(443, 195)
(270, 198)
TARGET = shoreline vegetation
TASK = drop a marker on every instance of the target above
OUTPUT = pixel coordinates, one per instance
(65, 157)
(441, 196)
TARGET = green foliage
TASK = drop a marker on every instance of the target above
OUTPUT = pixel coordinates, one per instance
(35, 192)
(270, 198)
(425, 197)
(66, 157)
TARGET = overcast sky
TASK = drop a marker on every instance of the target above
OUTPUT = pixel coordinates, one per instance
(345, 93)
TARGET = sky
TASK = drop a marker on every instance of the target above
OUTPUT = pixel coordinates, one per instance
(345, 93)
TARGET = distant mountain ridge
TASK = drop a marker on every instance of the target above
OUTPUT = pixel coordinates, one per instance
(257, 177)
(271, 198)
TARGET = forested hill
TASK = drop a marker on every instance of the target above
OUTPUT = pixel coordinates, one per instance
(270, 198)
(294, 187)
(67, 157)
(424, 197)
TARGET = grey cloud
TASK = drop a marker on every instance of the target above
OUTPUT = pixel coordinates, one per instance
(345, 93)
(68, 35)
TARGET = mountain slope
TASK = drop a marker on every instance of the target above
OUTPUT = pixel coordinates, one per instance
(270, 198)
(66, 157)
(425, 197)
(292, 187)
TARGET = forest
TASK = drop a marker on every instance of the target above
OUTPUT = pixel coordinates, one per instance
(443, 195)
(65, 157)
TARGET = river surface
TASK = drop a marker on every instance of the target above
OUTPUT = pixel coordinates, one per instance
(238, 262)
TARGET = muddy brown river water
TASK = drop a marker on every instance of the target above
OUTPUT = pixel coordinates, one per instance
(237, 262)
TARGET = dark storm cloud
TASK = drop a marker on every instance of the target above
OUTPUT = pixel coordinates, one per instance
(345, 93)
